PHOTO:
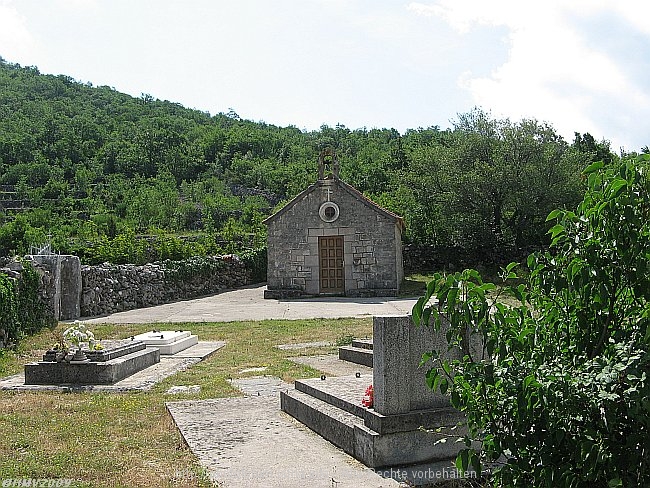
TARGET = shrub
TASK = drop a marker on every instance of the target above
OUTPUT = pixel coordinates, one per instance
(256, 260)
(22, 311)
(559, 395)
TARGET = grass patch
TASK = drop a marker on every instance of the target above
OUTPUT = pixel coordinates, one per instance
(414, 285)
(129, 439)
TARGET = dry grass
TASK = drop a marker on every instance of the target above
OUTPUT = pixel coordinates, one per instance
(128, 439)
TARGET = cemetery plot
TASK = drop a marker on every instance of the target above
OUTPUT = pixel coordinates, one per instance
(118, 360)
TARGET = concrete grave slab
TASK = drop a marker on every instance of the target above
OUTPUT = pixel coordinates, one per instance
(90, 373)
(168, 342)
(232, 438)
(142, 380)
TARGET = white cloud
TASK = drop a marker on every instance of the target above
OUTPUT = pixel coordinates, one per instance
(16, 42)
(77, 4)
(552, 71)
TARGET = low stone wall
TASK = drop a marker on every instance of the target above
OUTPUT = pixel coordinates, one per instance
(109, 288)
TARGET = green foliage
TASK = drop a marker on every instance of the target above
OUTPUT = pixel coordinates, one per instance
(188, 269)
(486, 189)
(71, 153)
(8, 307)
(22, 311)
(256, 260)
(126, 247)
(559, 394)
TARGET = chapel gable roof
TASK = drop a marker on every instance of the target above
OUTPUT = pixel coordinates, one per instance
(356, 194)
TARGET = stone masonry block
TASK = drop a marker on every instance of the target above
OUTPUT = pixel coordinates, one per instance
(391, 375)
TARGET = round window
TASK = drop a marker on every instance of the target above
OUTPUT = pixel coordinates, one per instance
(329, 212)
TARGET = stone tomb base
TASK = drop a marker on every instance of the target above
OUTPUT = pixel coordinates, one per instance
(332, 408)
(168, 342)
(118, 360)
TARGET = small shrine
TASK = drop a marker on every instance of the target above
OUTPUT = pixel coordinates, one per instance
(332, 240)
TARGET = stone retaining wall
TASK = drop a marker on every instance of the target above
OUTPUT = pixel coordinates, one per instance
(109, 288)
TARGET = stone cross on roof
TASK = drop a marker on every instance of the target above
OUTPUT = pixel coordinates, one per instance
(328, 165)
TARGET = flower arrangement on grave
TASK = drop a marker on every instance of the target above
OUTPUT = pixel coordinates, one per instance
(79, 334)
(368, 397)
(60, 346)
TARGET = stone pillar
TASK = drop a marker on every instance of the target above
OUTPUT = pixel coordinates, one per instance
(66, 300)
(398, 380)
(391, 378)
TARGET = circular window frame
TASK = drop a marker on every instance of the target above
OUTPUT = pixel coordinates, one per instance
(323, 209)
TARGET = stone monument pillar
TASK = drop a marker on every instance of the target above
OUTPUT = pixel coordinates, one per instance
(65, 298)
(398, 380)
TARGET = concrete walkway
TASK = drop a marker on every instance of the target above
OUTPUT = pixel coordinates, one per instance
(249, 304)
(248, 441)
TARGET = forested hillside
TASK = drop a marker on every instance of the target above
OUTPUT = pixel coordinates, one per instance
(113, 177)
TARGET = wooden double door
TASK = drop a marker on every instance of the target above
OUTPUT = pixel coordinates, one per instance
(332, 274)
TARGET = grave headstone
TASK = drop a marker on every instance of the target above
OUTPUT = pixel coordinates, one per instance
(408, 420)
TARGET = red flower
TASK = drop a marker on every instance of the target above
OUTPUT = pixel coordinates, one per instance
(368, 397)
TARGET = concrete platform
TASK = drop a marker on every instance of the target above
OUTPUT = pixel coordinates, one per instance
(248, 441)
(140, 381)
(332, 408)
(248, 303)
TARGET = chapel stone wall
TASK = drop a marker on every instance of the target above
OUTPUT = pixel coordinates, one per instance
(372, 245)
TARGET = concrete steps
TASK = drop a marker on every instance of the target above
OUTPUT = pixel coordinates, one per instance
(362, 343)
(343, 392)
(356, 355)
(360, 352)
(332, 408)
(328, 421)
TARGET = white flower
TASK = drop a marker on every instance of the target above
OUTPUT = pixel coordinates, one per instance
(78, 333)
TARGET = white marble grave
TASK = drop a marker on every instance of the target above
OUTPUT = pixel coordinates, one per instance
(168, 341)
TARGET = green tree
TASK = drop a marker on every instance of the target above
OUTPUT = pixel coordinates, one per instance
(496, 181)
(559, 395)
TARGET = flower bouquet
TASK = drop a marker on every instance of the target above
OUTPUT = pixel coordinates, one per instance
(79, 334)
(368, 397)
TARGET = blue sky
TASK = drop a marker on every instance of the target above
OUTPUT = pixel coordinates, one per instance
(581, 65)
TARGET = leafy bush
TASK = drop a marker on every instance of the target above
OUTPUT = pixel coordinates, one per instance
(192, 268)
(127, 248)
(559, 394)
(256, 260)
(22, 311)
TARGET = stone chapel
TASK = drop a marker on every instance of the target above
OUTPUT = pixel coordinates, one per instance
(332, 240)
